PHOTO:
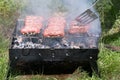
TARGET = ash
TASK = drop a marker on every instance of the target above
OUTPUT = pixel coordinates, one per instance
(71, 42)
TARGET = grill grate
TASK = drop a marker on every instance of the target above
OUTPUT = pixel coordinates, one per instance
(37, 41)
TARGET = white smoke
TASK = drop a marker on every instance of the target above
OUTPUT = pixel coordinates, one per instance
(70, 9)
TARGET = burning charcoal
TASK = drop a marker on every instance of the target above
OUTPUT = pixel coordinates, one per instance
(39, 45)
(57, 45)
(82, 45)
(16, 42)
(15, 46)
(22, 45)
(93, 46)
(32, 46)
(40, 40)
(19, 39)
(64, 42)
(47, 47)
(76, 46)
(35, 45)
(92, 42)
(73, 45)
(42, 47)
(28, 45)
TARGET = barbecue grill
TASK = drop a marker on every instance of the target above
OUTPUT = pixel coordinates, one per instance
(34, 53)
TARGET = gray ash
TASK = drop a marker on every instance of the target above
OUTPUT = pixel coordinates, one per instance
(71, 42)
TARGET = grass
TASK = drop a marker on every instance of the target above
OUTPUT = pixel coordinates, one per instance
(109, 61)
(3, 57)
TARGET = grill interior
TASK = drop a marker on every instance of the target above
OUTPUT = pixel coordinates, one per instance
(38, 41)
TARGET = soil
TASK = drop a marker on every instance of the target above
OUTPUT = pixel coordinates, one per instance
(43, 77)
(73, 76)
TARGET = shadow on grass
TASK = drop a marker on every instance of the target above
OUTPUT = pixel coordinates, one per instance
(111, 38)
(109, 20)
(111, 15)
